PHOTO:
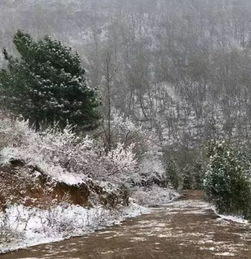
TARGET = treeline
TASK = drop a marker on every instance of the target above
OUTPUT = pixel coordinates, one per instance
(178, 68)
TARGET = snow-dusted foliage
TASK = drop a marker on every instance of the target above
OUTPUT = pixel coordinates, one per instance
(151, 169)
(12, 133)
(146, 147)
(135, 158)
(65, 156)
(154, 195)
(123, 160)
(124, 130)
(47, 83)
(72, 159)
(227, 179)
(21, 226)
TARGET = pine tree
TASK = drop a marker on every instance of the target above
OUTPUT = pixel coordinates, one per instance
(47, 84)
(227, 179)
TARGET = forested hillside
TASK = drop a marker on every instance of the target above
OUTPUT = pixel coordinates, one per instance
(110, 105)
(180, 67)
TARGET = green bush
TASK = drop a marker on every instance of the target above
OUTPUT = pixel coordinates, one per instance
(227, 179)
(184, 168)
(193, 176)
(174, 174)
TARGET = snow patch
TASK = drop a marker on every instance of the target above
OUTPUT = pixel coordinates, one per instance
(225, 254)
(33, 226)
(236, 219)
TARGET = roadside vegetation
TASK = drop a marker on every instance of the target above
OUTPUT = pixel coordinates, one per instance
(123, 104)
(228, 179)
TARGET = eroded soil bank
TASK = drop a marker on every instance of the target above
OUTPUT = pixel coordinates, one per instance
(186, 228)
(28, 185)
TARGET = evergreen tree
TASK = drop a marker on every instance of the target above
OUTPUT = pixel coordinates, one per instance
(228, 180)
(47, 84)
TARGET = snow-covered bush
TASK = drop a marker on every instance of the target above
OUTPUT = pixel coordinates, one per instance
(146, 147)
(121, 159)
(154, 195)
(152, 170)
(72, 159)
(124, 130)
(64, 155)
(227, 179)
(12, 132)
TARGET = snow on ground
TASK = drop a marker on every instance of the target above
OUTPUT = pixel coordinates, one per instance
(32, 226)
(202, 206)
(225, 254)
(22, 227)
(186, 204)
(237, 219)
(35, 226)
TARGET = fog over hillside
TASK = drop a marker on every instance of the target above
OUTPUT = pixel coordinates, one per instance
(181, 67)
(111, 109)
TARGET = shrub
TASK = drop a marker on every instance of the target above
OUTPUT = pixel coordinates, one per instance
(64, 155)
(227, 179)
(184, 167)
(146, 148)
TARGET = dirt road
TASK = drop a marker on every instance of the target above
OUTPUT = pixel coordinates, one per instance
(185, 229)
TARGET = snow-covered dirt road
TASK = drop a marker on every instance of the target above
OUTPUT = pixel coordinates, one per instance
(185, 229)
